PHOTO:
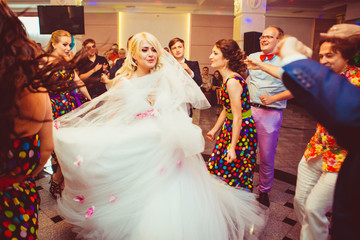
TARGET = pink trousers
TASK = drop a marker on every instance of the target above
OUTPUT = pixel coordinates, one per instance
(267, 124)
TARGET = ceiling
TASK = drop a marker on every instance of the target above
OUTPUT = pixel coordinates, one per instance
(293, 8)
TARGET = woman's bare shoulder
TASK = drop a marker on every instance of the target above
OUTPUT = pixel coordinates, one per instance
(33, 111)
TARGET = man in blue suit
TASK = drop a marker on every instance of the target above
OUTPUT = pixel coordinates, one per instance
(335, 103)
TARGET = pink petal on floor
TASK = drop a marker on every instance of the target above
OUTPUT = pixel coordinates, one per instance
(90, 212)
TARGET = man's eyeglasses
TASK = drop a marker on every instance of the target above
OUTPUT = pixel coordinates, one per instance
(89, 47)
(265, 37)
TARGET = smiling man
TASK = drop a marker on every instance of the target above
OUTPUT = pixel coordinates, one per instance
(91, 67)
(177, 49)
(267, 118)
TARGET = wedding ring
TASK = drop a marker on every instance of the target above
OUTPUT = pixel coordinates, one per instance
(334, 28)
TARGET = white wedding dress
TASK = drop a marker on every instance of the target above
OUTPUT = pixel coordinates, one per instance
(133, 169)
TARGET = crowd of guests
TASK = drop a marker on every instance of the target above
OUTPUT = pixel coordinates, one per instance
(44, 85)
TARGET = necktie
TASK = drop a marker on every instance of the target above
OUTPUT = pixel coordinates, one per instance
(269, 57)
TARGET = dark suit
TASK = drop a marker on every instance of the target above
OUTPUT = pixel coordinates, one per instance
(93, 83)
(336, 105)
(194, 66)
(116, 67)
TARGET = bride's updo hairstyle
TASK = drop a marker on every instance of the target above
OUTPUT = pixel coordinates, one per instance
(130, 66)
(231, 51)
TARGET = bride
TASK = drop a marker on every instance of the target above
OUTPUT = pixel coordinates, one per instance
(132, 160)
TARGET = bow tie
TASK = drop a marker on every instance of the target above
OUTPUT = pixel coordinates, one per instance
(269, 57)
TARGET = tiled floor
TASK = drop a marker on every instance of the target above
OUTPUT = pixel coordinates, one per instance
(296, 130)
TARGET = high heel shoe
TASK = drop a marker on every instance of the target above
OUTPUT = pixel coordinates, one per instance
(55, 188)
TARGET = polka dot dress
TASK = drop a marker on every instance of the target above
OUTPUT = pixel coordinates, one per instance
(64, 101)
(240, 172)
(19, 202)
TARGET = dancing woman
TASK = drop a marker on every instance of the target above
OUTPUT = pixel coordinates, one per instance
(132, 163)
(63, 100)
(234, 155)
(25, 121)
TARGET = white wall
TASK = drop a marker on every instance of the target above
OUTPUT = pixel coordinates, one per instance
(301, 28)
(102, 27)
(205, 31)
(163, 26)
(33, 30)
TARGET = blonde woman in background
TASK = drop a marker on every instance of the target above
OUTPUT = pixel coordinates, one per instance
(62, 99)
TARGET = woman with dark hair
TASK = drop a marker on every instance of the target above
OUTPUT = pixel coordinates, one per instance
(217, 82)
(25, 121)
(234, 155)
(63, 100)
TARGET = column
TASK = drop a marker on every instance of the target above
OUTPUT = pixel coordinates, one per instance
(249, 16)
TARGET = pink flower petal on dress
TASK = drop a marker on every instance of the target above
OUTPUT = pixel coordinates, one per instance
(179, 163)
(150, 113)
(162, 170)
(79, 161)
(113, 198)
(79, 199)
(90, 212)
(57, 125)
(180, 156)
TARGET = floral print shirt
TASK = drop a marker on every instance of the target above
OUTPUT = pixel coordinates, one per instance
(322, 143)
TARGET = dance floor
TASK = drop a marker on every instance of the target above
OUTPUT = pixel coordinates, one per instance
(296, 131)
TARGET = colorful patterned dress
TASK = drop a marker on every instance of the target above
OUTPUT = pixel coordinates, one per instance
(63, 100)
(19, 202)
(240, 172)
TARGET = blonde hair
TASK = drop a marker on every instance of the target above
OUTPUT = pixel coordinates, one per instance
(130, 66)
(55, 38)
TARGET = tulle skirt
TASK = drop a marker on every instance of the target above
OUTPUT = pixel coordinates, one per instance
(146, 180)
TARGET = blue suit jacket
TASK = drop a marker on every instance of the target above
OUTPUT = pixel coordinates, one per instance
(335, 103)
